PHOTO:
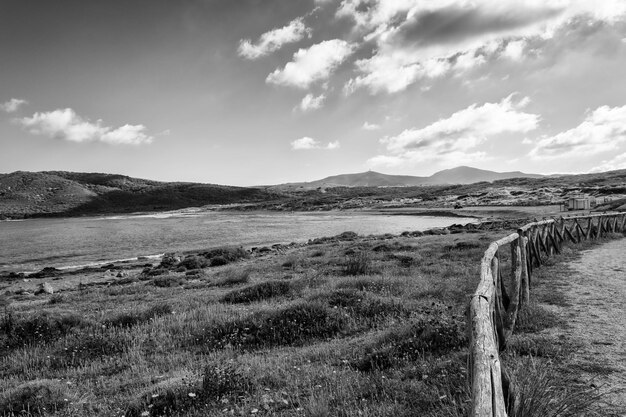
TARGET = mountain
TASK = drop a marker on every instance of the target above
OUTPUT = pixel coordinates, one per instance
(59, 193)
(458, 175)
(469, 175)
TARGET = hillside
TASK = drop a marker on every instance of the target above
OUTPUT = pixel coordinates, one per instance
(458, 175)
(54, 193)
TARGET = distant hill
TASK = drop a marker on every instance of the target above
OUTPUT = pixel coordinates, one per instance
(59, 193)
(458, 175)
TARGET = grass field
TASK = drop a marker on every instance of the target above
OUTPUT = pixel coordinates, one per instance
(352, 326)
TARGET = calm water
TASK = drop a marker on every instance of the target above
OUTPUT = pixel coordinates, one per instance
(32, 244)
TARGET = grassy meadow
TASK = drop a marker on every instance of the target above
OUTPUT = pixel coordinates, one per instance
(348, 326)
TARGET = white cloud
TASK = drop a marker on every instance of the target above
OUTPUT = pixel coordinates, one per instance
(65, 124)
(307, 143)
(313, 64)
(422, 39)
(619, 162)
(602, 130)
(514, 50)
(370, 126)
(455, 139)
(274, 39)
(12, 105)
(311, 102)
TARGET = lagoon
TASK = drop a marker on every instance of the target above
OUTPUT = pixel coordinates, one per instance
(32, 244)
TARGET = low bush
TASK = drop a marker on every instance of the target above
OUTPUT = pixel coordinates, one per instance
(40, 328)
(42, 396)
(437, 335)
(194, 262)
(168, 281)
(290, 326)
(544, 394)
(225, 255)
(258, 292)
(379, 285)
(359, 263)
(533, 318)
(137, 317)
(234, 276)
(224, 380)
(81, 348)
(168, 397)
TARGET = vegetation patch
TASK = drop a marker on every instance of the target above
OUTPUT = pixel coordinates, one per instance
(38, 329)
(533, 318)
(542, 393)
(380, 285)
(258, 292)
(137, 317)
(410, 342)
(233, 276)
(290, 326)
(41, 396)
(81, 348)
(359, 263)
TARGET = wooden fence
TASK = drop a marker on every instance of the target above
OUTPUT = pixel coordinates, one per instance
(495, 304)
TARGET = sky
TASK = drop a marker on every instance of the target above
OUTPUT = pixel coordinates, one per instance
(250, 92)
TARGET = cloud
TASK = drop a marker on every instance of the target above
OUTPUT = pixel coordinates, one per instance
(12, 105)
(311, 102)
(370, 126)
(313, 64)
(307, 143)
(602, 130)
(419, 39)
(619, 162)
(274, 39)
(455, 139)
(65, 124)
(514, 50)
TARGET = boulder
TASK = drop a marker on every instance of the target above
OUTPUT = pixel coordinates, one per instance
(44, 288)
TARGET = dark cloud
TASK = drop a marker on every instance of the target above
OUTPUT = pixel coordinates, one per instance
(453, 24)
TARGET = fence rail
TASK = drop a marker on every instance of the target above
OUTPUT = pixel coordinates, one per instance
(495, 304)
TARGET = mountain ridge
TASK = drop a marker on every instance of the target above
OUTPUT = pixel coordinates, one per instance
(457, 175)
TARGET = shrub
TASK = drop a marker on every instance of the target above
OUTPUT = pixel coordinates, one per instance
(224, 380)
(41, 328)
(167, 281)
(373, 284)
(56, 299)
(219, 261)
(340, 298)
(173, 395)
(438, 335)
(358, 263)
(258, 292)
(543, 394)
(34, 397)
(226, 255)
(234, 276)
(533, 318)
(290, 326)
(86, 347)
(359, 304)
(194, 262)
(138, 317)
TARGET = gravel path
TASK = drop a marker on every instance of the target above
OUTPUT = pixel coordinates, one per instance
(598, 316)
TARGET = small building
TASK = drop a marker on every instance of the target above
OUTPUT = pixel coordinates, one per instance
(580, 203)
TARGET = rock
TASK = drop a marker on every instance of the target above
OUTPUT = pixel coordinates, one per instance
(44, 288)
(122, 274)
(169, 260)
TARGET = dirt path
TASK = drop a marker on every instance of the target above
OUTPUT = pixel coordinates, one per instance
(597, 316)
